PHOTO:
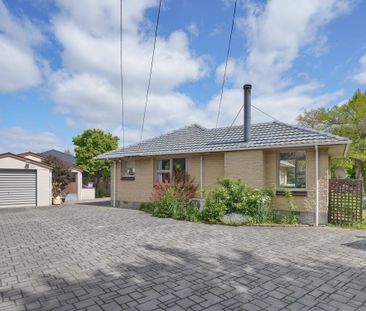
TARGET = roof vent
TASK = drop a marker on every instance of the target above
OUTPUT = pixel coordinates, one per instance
(247, 111)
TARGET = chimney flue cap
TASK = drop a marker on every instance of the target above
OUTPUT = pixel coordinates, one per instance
(247, 86)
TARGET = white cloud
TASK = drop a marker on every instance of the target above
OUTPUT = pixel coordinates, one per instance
(19, 66)
(360, 75)
(17, 139)
(193, 29)
(87, 90)
(278, 33)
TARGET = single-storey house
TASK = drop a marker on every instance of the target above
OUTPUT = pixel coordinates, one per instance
(264, 155)
(24, 181)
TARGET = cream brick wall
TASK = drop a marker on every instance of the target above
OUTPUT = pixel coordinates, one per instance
(246, 166)
(255, 167)
(137, 190)
(303, 203)
(213, 168)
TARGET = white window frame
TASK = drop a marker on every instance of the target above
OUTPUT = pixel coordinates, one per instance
(124, 162)
(170, 171)
(279, 172)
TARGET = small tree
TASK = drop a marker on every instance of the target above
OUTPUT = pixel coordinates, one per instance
(88, 145)
(348, 120)
(61, 175)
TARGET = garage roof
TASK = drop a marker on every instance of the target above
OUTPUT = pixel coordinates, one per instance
(26, 160)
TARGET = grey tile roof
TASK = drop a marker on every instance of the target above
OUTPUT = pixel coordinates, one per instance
(65, 157)
(197, 139)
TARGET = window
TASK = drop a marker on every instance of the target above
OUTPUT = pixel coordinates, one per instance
(166, 168)
(128, 169)
(292, 170)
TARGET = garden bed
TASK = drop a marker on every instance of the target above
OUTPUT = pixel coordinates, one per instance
(229, 202)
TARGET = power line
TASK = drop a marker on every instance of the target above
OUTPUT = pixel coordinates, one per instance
(150, 73)
(227, 58)
(121, 77)
(237, 115)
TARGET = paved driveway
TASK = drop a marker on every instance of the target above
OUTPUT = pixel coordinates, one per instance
(93, 258)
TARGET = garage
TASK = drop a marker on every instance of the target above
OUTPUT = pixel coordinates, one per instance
(24, 182)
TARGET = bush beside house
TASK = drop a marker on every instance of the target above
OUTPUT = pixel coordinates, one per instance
(229, 202)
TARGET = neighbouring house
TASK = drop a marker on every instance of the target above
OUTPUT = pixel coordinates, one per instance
(272, 154)
(24, 181)
(73, 190)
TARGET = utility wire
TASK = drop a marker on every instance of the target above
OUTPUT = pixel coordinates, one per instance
(227, 58)
(150, 73)
(237, 115)
(121, 77)
(265, 113)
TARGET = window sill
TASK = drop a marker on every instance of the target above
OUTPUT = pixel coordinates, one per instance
(295, 193)
(127, 178)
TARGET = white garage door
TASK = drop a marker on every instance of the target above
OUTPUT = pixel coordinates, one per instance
(18, 188)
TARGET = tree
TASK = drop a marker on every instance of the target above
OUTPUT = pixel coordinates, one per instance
(348, 120)
(61, 175)
(88, 145)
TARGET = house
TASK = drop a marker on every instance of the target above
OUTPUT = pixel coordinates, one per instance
(24, 181)
(264, 155)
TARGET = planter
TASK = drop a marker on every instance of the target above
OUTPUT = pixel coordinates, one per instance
(57, 201)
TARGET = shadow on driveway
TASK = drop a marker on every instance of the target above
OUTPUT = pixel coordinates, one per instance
(165, 278)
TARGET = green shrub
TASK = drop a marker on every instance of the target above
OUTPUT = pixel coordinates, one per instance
(147, 207)
(276, 217)
(232, 196)
(258, 205)
(179, 212)
(215, 204)
(292, 218)
(100, 193)
(193, 213)
(164, 207)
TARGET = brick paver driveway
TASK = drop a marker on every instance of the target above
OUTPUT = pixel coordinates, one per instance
(93, 258)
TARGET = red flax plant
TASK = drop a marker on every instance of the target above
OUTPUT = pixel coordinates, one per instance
(184, 188)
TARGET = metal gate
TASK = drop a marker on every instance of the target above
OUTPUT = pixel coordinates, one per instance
(18, 188)
(345, 201)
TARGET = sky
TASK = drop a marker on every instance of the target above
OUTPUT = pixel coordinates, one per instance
(60, 64)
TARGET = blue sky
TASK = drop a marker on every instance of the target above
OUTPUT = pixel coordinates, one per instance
(59, 64)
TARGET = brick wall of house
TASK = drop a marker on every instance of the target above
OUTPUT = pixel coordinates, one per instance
(256, 167)
(137, 190)
(246, 166)
(213, 167)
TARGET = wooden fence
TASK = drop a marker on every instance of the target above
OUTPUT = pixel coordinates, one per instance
(345, 201)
